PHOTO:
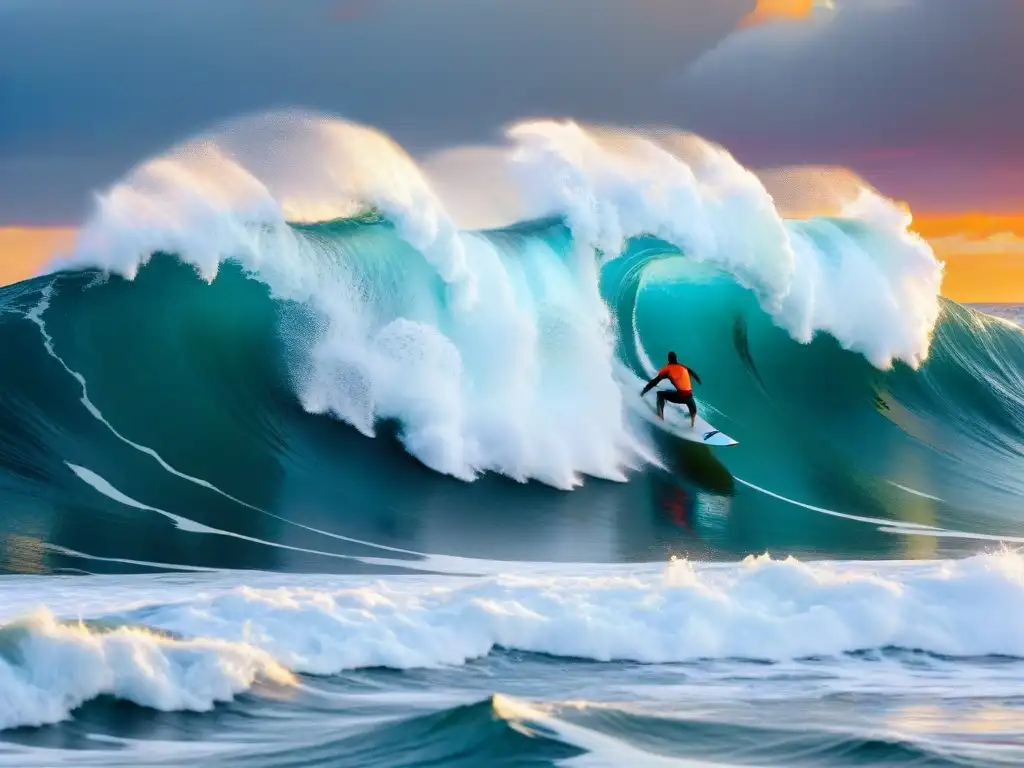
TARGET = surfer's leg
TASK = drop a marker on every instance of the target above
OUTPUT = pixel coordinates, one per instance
(691, 406)
(667, 396)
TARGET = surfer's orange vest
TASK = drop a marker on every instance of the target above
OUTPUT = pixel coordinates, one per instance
(678, 375)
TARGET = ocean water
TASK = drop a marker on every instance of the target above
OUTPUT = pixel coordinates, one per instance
(313, 453)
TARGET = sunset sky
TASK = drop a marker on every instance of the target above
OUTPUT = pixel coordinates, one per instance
(923, 98)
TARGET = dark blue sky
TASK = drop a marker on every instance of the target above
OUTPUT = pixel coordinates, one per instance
(925, 97)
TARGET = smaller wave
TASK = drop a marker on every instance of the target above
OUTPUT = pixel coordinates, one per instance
(599, 749)
(49, 668)
(762, 609)
(192, 646)
(697, 735)
(1008, 314)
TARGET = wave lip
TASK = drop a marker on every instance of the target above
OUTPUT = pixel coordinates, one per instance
(854, 271)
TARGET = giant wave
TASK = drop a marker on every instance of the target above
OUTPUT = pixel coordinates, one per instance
(492, 348)
(497, 309)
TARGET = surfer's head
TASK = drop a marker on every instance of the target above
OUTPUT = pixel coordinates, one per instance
(672, 358)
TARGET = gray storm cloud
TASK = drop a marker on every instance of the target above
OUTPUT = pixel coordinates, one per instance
(89, 89)
(100, 85)
(868, 74)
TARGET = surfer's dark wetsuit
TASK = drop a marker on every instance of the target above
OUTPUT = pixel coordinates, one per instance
(679, 375)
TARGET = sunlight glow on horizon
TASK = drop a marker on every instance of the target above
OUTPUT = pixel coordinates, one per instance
(783, 10)
(983, 254)
(24, 251)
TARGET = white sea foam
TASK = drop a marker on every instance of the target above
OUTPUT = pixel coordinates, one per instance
(762, 609)
(48, 668)
(874, 287)
(237, 628)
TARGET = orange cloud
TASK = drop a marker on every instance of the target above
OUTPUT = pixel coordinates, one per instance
(26, 250)
(983, 254)
(973, 224)
(984, 278)
(774, 10)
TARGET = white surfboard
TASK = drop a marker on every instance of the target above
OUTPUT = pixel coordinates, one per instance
(700, 432)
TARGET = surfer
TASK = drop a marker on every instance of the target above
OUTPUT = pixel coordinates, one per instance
(679, 375)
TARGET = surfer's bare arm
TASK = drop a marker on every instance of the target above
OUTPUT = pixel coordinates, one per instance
(652, 383)
(694, 374)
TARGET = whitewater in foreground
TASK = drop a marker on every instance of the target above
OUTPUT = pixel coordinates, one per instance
(759, 662)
